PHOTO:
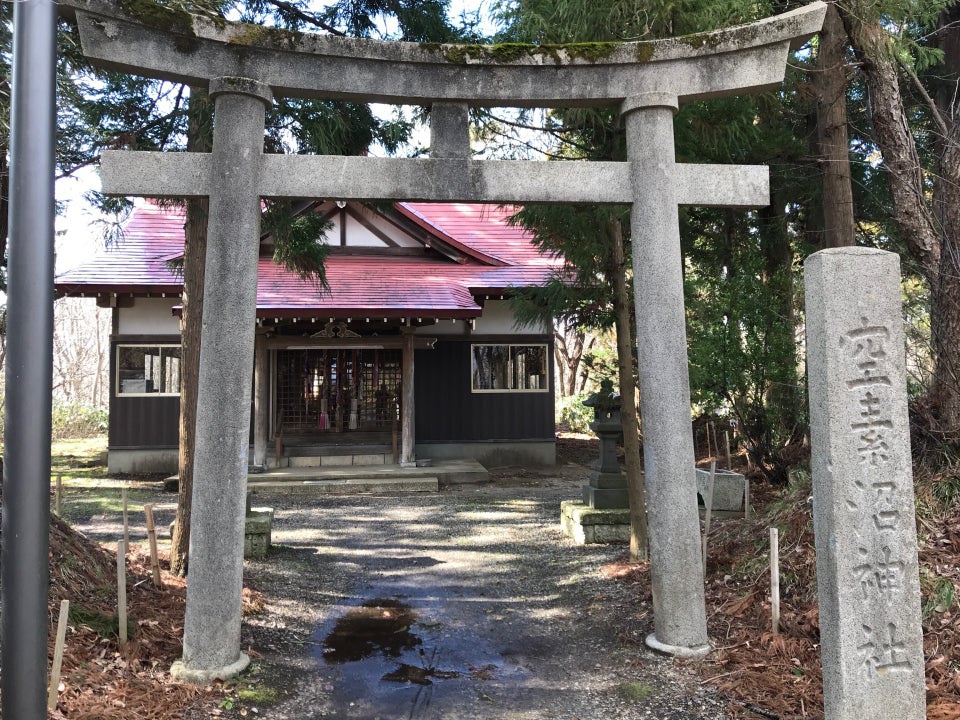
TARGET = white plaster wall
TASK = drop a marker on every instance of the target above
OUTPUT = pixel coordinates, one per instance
(497, 319)
(365, 237)
(331, 236)
(150, 316)
(359, 236)
(443, 327)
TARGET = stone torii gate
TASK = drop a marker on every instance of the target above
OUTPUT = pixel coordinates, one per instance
(245, 66)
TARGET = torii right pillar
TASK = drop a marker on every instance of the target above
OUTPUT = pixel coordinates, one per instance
(679, 611)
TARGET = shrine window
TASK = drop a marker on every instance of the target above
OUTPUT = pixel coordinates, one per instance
(509, 368)
(148, 370)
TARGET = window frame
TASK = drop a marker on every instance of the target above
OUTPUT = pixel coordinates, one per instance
(546, 373)
(118, 388)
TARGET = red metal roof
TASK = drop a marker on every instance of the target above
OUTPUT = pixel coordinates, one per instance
(483, 228)
(384, 286)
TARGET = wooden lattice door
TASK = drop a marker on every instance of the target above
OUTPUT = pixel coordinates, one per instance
(337, 389)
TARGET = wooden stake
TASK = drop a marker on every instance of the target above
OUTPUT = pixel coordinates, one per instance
(122, 591)
(708, 501)
(54, 693)
(152, 537)
(726, 441)
(706, 430)
(126, 524)
(775, 579)
(58, 497)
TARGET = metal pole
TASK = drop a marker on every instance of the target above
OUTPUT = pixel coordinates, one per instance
(29, 364)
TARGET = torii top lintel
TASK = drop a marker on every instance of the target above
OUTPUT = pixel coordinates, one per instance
(155, 40)
(191, 49)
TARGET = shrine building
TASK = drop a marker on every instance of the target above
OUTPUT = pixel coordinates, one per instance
(330, 361)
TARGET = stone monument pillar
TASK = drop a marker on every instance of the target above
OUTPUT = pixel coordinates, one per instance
(679, 610)
(211, 633)
(863, 509)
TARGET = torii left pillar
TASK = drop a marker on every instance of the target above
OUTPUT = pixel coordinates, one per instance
(679, 609)
(211, 632)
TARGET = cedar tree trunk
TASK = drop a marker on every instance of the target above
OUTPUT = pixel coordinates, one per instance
(946, 198)
(194, 263)
(639, 549)
(830, 80)
(930, 230)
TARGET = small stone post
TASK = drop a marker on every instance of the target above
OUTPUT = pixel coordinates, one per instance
(211, 634)
(679, 609)
(863, 508)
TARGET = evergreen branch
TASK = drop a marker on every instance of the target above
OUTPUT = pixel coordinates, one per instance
(529, 145)
(305, 17)
(156, 122)
(934, 110)
(176, 108)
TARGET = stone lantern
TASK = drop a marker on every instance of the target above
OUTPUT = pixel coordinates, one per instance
(608, 486)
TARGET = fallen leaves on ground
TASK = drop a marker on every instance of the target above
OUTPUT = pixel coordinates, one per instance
(99, 679)
(778, 676)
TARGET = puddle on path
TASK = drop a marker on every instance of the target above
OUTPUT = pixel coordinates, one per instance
(378, 627)
(388, 659)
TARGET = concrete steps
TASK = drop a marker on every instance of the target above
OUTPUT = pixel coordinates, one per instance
(315, 450)
(345, 486)
(345, 460)
(347, 479)
(305, 454)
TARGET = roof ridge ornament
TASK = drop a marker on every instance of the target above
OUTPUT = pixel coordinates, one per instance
(335, 330)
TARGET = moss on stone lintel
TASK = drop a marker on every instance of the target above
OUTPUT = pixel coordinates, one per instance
(247, 34)
(644, 52)
(159, 16)
(740, 37)
(512, 52)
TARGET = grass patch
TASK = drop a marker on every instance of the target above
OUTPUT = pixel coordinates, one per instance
(257, 694)
(72, 472)
(636, 692)
(78, 458)
(82, 448)
(107, 626)
(245, 691)
(938, 594)
(83, 504)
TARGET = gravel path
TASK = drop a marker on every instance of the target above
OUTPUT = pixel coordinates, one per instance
(467, 604)
(501, 614)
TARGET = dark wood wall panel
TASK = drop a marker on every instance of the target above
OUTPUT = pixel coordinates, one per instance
(144, 422)
(447, 410)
